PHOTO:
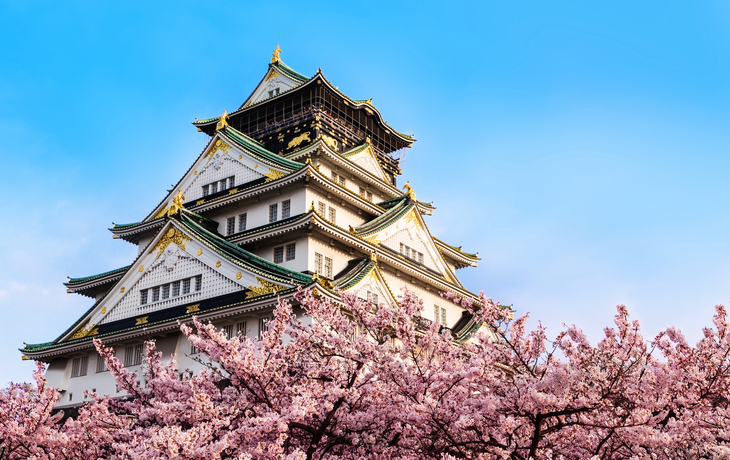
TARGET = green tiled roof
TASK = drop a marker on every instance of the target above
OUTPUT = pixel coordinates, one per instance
(92, 277)
(289, 72)
(355, 150)
(237, 255)
(115, 226)
(355, 271)
(468, 254)
(396, 208)
(254, 148)
(206, 120)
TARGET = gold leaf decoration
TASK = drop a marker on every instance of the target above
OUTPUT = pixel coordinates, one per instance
(331, 143)
(142, 320)
(238, 275)
(122, 290)
(373, 239)
(264, 287)
(233, 191)
(412, 217)
(200, 251)
(220, 144)
(218, 264)
(141, 268)
(173, 235)
(273, 174)
(193, 308)
(103, 310)
(298, 140)
(85, 331)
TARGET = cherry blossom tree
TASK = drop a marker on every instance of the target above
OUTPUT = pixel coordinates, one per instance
(367, 382)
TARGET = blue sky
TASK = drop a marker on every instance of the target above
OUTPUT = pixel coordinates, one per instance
(580, 147)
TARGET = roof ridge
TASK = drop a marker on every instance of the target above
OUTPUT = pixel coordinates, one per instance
(90, 277)
(253, 146)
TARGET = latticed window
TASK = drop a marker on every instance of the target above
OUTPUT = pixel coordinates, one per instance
(343, 181)
(214, 188)
(231, 181)
(279, 255)
(133, 355)
(228, 329)
(291, 251)
(285, 209)
(362, 192)
(79, 366)
(318, 263)
(439, 315)
(273, 211)
(328, 267)
(143, 297)
(322, 209)
(206, 190)
(333, 215)
(165, 291)
(241, 328)
(156, 294)
(198, 282)
(370, 196)
(231, 226)
(194, 350)
(443, 317)
(334, 176)
(100, 364)
(186, 286)
(420, 258)
(176, 288)
(242, 222)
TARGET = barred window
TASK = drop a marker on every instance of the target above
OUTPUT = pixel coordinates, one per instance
(176, 288)
(231, 226)
(156, 294)
(231, 181)
(228, 329)
(273, 212)
(214, 188)
(143, 297)
(334, 176)
(370, 196)
(328, 267)
(285, 209)
(343, 181)
(279, 255)
(194, 350)
(133, 355)
(322, 209)
(333, 215)
(291, 251)
(100, 364)
(242, 222)
(443, 317)
(198, 282)
(186, 286)
(420, 258)
(362, 192)
(241, 328)
(439, 315)
(206, 190)
(79, 366)
(165, 291)
(318, 263)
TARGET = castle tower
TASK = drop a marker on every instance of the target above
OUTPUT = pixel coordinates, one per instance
(297, 187)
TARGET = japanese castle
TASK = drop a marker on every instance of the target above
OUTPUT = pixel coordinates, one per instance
(297, 187)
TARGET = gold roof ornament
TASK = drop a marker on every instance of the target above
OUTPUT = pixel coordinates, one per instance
(368, 140)
(222, 121)
(409, 191)
(275, 57)
(179, 199)
(374, 257)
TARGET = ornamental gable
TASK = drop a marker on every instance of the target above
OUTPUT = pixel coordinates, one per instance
(273, 84)
(176, 269)
(373, 284)
(366, 159)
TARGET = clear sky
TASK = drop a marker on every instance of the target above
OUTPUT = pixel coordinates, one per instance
(580, 147)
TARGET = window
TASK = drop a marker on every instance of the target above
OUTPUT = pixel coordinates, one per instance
(420, 258)
(100, 364)
(165, 291)
(291, 251)
(214, 188)
(285, 209)
(273, 212)
(241, 328)
(362, 192)
(373, 297)
(231, 226)
(334, 177)
(327, 267)
(411, 253)
(439, 315)
(198, 282)
(370, 196)
(143, 297)
(333, 215)
(228, 330)
(322, 209)
(317, 263)
(156, 294)
(343, 181)
(186, 286)
(279, 255)
(231, 181)
(206, 189)
(263, 325)
(176, 288)
(194, 350)
(79, 366)
(242, 222)
(271, 93)
(133, 355)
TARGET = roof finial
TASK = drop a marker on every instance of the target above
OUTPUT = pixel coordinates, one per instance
(178, 200)
(275, 57)
(409, 191)
(374, 257)
(222, 121)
